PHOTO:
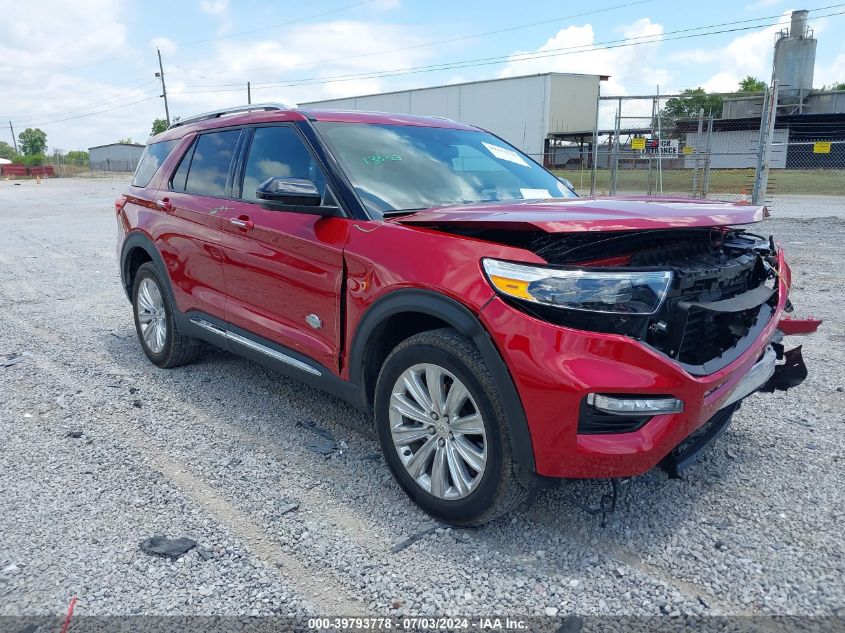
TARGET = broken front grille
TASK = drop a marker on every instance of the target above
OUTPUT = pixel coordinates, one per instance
(719, 300)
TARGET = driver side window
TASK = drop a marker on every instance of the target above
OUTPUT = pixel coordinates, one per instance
(278, 152)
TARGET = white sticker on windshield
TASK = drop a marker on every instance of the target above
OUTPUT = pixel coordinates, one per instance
(535, 194)
(505, 154)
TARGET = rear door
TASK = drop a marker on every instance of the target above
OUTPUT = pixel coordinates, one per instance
(197, 192)
(284, 270)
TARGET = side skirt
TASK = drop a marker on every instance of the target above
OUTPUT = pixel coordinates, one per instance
(269, 354)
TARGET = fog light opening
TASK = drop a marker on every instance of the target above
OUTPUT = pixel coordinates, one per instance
(628, 406)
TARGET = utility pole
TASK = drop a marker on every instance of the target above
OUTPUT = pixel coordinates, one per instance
(14, 140)
(160, 75)
(248, 94)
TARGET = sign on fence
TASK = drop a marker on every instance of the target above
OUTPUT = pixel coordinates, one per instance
(638, 144)
(664, 147)
(821, 147)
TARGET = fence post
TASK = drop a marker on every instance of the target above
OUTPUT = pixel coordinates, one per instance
(707, 160)
(595, 144)
(697, 160)
(764, 149)
(654, 113)
(615, 162)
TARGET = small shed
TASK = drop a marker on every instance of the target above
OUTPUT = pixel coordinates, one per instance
(115, 156)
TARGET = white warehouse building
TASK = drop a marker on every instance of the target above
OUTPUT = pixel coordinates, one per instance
(543, 115)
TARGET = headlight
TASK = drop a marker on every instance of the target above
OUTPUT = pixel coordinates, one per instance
(623, 292)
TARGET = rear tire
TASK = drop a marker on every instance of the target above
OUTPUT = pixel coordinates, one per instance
(155, 324)
(442, 429)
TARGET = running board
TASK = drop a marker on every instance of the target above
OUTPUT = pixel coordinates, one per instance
(258, 347)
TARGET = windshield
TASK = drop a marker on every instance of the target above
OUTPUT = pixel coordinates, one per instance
(406, 168)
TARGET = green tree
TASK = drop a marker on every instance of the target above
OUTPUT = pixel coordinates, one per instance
(32, 141)
(159, 126)
(126, 141)
(33, 160)
(690, 102)
(8, 152)
(752, 84)
(839, 85)
(76, 157)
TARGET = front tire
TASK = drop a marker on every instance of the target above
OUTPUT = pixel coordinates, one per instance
(155, 324)
(441, 427)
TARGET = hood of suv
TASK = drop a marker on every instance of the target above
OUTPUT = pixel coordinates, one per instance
(572, 215)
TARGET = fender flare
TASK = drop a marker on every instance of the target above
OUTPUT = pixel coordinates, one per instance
(146, 244)
(459, 317)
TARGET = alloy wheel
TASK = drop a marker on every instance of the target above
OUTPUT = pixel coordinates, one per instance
(152, 317)
(438, 431)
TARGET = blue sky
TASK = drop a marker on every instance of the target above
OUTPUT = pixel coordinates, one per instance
(92, 63)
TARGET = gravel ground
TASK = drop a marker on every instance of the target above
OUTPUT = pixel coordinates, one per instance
(216, 451)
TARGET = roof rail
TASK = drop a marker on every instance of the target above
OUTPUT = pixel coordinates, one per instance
(216, 114)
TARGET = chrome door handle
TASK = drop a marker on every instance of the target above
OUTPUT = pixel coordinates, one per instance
(244, 224)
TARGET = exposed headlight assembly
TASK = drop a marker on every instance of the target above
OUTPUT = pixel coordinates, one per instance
(620, 292)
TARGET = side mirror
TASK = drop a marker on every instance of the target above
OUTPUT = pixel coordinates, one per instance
(568, 184)
(295, 195)
(291, 191)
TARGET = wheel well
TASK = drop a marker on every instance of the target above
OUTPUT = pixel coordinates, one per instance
(137, 256)
(387, 335)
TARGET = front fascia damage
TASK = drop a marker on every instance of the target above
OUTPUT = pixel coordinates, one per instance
(723, 293)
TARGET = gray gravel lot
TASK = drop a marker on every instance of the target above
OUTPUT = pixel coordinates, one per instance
(216, 451)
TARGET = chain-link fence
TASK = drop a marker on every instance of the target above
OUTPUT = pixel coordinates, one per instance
(713, 146)
(669, 145)
(812, 180)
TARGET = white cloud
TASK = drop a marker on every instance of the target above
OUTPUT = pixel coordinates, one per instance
(164, 44)
(44, 57)
(628, 66)
(761, 4)
(69, 34)
(214, 7)
(831, 73)
(349, 44)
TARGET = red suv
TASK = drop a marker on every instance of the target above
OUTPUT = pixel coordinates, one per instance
(504, 332)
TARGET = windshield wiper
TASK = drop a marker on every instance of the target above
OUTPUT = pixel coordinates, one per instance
(394, 212)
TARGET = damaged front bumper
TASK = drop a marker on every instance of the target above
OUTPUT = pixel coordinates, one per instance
(767, 375)
(557, 368)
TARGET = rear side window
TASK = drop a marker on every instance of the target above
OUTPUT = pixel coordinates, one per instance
(209, 167)
(180, 176)
(154, 156)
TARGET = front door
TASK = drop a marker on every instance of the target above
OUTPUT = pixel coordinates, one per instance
(284, 270)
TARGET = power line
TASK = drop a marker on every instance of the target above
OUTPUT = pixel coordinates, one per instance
(80, 116)
(611, 44)
(485, 61)
(438, 42)
(94, 104)
(432, 43)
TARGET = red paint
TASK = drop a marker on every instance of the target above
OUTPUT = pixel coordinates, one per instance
(268, 270)
(283, 268)
(555, 367)
(573, 215)
(70, 609)
(796, 327)
(622, 260)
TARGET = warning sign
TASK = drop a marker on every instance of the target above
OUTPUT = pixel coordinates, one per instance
(638, 143)
(665, 147)
(688, 149)
(821, 147)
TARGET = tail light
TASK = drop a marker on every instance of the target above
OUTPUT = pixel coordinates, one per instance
(119, 204)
